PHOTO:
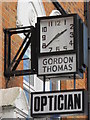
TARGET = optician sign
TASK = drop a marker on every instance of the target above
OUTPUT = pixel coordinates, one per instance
(57, 102)
(56, 64)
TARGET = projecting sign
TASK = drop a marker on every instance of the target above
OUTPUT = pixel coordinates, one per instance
(60, 46)
(57, 102)
(56, 64)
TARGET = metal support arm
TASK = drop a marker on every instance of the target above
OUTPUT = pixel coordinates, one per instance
(11, 66)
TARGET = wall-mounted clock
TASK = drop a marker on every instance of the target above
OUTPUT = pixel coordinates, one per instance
(56, 33)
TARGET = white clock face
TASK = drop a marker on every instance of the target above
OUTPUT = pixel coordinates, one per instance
(56, 34)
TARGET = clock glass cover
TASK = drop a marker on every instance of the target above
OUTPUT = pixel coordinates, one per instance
(56, 34)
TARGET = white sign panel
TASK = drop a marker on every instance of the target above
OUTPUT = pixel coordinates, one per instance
(56, 64)
(57, 102)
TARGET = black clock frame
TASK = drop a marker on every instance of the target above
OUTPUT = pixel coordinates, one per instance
(55, 17)
(77, 43)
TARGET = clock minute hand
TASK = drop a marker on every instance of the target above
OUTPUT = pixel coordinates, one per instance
(56, 36)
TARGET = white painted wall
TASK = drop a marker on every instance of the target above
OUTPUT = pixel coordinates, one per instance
(28, 11)
(14, 103)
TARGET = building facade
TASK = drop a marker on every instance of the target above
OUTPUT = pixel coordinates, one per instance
(24, 13)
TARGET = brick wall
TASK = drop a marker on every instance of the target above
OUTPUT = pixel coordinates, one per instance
(74, 7)
(0, 44)
(9, 14)
(48, 6)
(89, 21)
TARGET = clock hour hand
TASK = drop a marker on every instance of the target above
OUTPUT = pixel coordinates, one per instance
(56, 36)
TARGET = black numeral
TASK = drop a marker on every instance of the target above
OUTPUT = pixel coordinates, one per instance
(64, 22)
(57, 23)
(71, 43)
(44, 29)
(71, 34)
(71, 26)
(44, 45)
(57, 48)
(50, 23)
(43, 37)
(50, 48)
(65, 47)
